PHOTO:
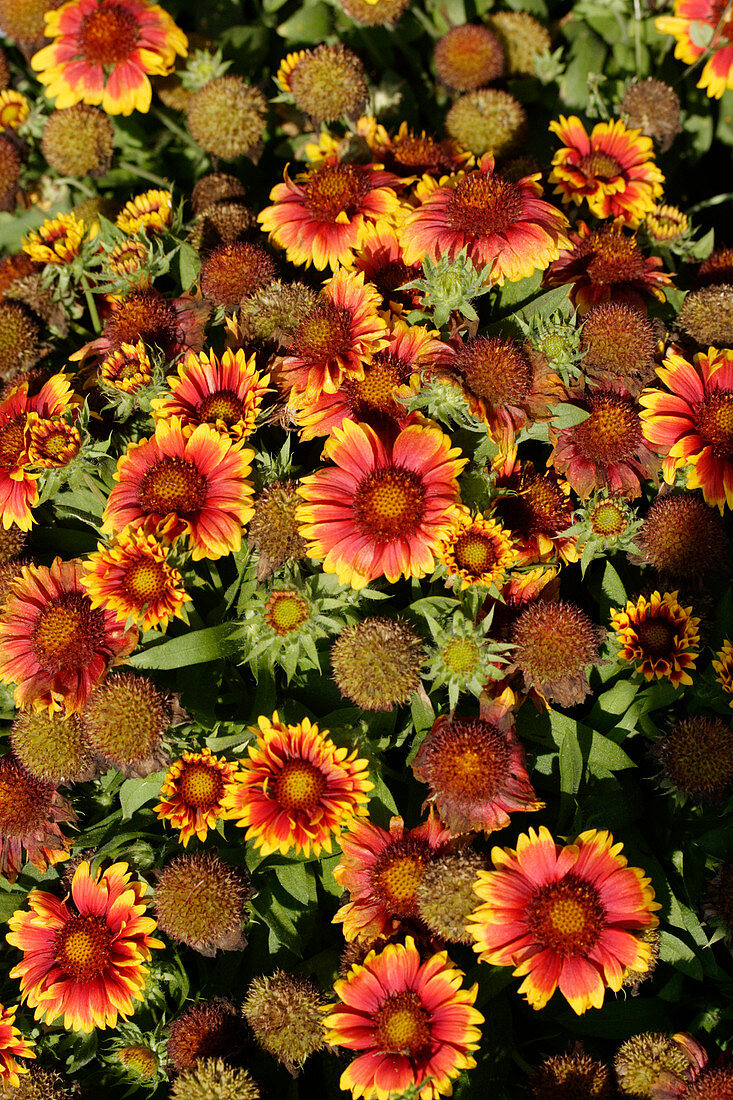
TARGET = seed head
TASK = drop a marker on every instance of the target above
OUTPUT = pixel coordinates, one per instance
(4, 70)
(707, 315)
(522, 37)
(199, 901)
(445, 897)
(208, 1029)
(10, 165)
(78, 140)
(718, 268)
(468, 57)
(376, 663)
(234, 271)
(571, 1077)
(22, 21)
(19, 339)
(684, 537)
(374, 14)
(275, 311)
(634, 979)
(213, 1079)
(328, 82)
(52, 747)
(641, 1060)
(37, 1084)
(487, 121)
(125, 719)
(556, 642)
(216, 187)
(696, 757)
(285, 1014)
(654, 108)
(222, 223)
(227, 117)
(12, 543)
(273, 530)
(618, 343)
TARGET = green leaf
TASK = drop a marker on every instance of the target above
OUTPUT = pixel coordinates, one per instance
(189, 265)
(196, 648)
(309, 24)
(571, 764)
(701, 33)
(612, 587)
(134, 793)
(680, 955)
(566, 415)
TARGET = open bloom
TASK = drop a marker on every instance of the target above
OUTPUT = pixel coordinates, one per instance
(83, 958)
(12, 1047)
(478, 550)
(500, 221)
(659, 636)
(321, 217)
(409, 1020)
(565, 917)
(382, 871)
(690, 421)
(193, 793)
(385, 507)
(53, 645)
(177, 485)
(57, 241)
(132, 578)
(612, 168)
(103, 51)
(297, 790)
(689, 19)
(226, 393)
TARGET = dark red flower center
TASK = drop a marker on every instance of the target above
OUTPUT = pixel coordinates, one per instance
(398, 872)
(223, 405)
(324, 333)
(419, 153)
(484, 205)
(612, 431)
(539, 506)
(402, 1026)
(615, 257)
(390, 276)
(714, 1083)
(389, 504)
(146, 580)
(657, 637)
(467, 760)
(495, 369)
(12, 441)
(172, 485)
(83, 947)
(68, 633)
(24, 801)
(566, 916)
(374, 394)
(108, 35)
(336, 189)
(200, 785)
(144, 315)
(299, 786)
(599, 165)
(714, 422)
(477, 553)
(285, 612)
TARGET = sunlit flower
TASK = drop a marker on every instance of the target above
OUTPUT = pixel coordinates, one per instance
(193, 793)
(690, 421)
(335, 339)
(298, 790)
(83, 958)
(723, 667)
(612, 168)
(13, 1045)
(152, 212)
(665, 224)
(408, 1020)
(177, 485)
(607, 264)
(51, 443)
(499, 221)
(659, 636)
(409, 153)
(53, 645)
(170, 325)
(225, 393)
(536, 510)
(380, 258)
(476, 771)
(320, 217)
(103, 51)
(31, 811)
(58, 241)
(564, 917)
(126, 370)
(382, 871)
(478, 550)
(700, 29)
(385, 506)
(14, 109)
(391, 377)
(133, 578)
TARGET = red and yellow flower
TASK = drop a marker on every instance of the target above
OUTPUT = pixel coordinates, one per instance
(127, 370)
(723, 667)
(499, 221)
(335, 339)
(132, 578)
(717, 72)
(297, 791)
(58, 241)
(690, 421)
(409, 1020)
(51, 443)
(612, 168)
(389, 378)
(566, 917)
(385, 506)
(54, 646)
(659, 636)
(225, 393)
(175, 484)
(31, 812)
(194, 792)
(12, 1046)
(144, 315)
(83, 958)
(103, 52)
(380, 258)
(535, 508)
(478, 550)
(152, 212)
(320, 218)
(382, 871)
(14, 109)
(607, 264)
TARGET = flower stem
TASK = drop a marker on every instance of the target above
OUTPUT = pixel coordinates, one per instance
(91, 304)
(134, 170)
